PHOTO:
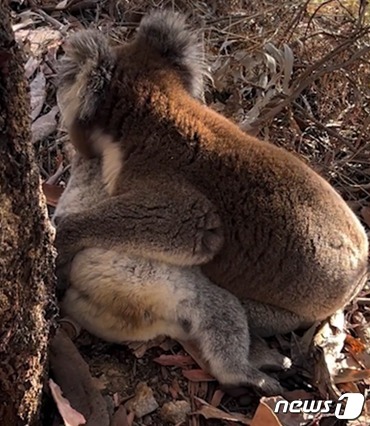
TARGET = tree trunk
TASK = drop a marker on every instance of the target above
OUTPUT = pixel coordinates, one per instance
(26, 258)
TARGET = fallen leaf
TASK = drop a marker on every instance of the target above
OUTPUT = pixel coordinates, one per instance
(24, 24)
(264, 416)
(41, 38)
(328, 345)
(192, 348)
(70, 416)
(359, 352)
(174, 360)
(175, 389)
(354, 345)
(217, 398)
(52, 193)
(21, 36)
(350, 361)
(44, 125)
(209, 412)
(197, 376)
(350, 375)
(348, 387)
(54, 178)
(38, 94)
(62, 5)
(363, 332)
(31, 66)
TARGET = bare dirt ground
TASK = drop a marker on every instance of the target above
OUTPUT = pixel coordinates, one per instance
(296, 73)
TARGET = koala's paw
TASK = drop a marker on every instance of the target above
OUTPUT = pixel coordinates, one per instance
(262, 357)
(279, 363)
(209, 238)
(271, 360)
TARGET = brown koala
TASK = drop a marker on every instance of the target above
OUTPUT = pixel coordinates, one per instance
(123, 297)
(188, 187)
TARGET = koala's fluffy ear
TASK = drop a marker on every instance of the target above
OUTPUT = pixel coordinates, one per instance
(84, 74)
(167, 33)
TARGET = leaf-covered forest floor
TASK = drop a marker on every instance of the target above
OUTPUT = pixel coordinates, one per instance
(296, 73)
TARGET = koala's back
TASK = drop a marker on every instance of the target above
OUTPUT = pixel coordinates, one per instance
(288, 234)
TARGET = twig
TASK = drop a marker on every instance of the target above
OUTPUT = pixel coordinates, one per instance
(54, 22)
(310, 75)
(293, 25)
(363, 300)
(364, 127)
(362, 12)
(322, 126)
(242, 16)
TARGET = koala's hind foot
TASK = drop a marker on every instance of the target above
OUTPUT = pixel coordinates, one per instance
(263, 357)
(266, 320)
(246, 375)
(217, 326)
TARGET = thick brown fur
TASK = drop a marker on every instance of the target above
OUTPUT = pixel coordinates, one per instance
(121, 297)
(189, 187)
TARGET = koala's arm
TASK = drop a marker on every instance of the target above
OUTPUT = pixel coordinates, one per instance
(165, 220)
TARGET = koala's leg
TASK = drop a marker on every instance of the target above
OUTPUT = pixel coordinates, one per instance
(215, 322)
(161, 219)
(266, 320)
(121, 298)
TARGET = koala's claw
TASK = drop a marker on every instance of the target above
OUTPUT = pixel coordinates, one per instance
(279, 363)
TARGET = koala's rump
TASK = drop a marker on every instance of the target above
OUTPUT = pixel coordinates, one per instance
(290, 239)
(120, 297)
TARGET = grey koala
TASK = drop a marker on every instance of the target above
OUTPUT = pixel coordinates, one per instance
(122, 297)
(188, 188)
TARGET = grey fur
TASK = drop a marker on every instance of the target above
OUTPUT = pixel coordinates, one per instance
(167, 33)
(86, 68)
(84, 73)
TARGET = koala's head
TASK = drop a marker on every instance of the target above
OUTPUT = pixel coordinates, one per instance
(92, 70)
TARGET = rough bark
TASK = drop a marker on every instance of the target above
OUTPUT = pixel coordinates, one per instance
(26, 257)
